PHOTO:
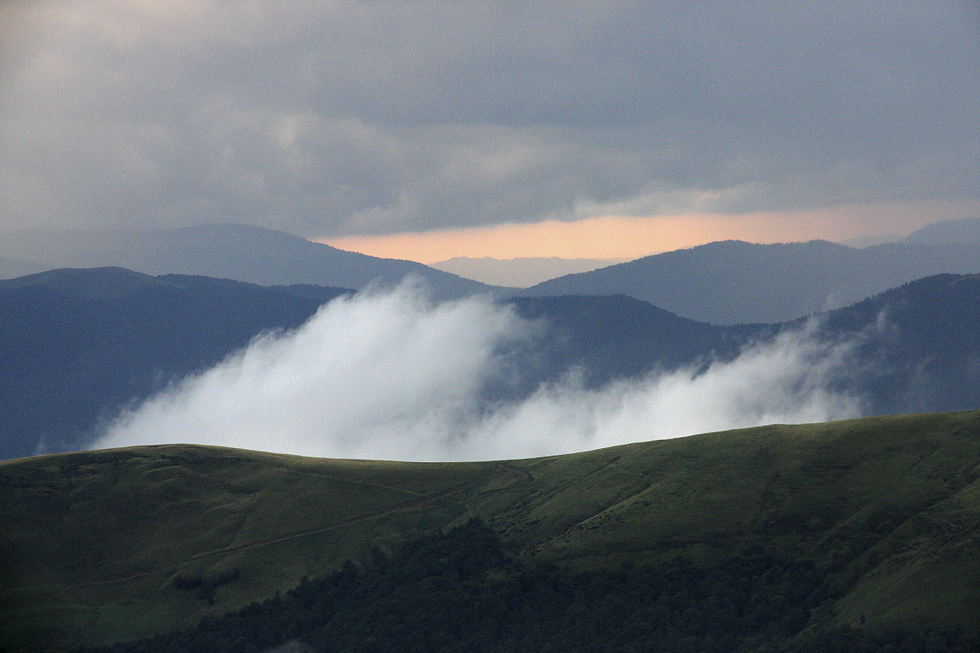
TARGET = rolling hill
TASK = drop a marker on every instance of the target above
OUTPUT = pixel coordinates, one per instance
(845, 532)
(734, 282)
(230, 251)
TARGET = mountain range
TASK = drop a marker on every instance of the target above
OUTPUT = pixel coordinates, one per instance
(519, 272)
(79, 345)
(734, 282)
(948, 232)
(723, 283)
(855, 535)
(228, 251)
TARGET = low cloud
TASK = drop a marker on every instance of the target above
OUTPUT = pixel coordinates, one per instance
(391, 375)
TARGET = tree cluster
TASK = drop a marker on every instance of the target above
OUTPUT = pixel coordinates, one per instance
(459, 592)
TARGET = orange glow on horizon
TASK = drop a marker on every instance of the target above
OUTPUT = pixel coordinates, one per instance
(631, 237)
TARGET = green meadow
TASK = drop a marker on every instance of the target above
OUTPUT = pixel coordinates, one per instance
(110, 546)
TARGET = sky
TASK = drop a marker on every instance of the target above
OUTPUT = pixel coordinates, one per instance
(432, 129)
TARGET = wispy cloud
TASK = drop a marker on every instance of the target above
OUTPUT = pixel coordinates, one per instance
(390, 375)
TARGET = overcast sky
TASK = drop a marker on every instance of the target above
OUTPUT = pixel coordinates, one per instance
(331, 119)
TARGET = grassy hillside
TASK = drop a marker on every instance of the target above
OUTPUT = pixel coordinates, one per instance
(112, 545)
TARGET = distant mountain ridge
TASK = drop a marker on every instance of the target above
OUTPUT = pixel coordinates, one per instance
(77, 345)
(948, 232)
(519, 272)
(724, 283)
(924, 355)
(230, 251)
(734, 282)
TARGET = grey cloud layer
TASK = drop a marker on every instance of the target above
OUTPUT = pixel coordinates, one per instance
(335, 118)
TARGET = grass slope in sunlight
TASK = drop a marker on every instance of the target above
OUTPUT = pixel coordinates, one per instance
(113, 545)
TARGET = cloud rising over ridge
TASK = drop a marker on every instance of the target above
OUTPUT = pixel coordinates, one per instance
(390, 375)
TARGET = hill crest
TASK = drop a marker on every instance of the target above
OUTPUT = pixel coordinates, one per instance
(886, 509)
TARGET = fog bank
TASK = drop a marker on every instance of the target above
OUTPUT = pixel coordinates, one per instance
(391, 375)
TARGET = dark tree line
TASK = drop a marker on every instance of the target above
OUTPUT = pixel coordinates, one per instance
(461, 592)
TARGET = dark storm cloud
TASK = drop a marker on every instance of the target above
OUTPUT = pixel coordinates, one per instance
(373, 117)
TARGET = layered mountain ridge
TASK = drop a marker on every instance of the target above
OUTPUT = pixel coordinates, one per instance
(230, 251)
(78, 346)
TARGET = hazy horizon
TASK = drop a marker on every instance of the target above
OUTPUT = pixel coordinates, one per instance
(521, 272)
(511, 272)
